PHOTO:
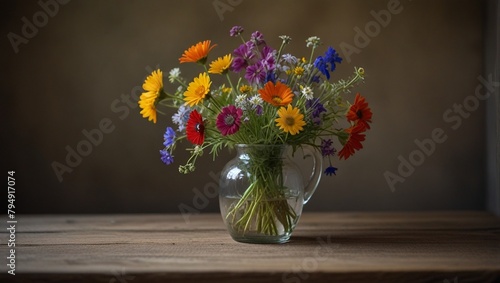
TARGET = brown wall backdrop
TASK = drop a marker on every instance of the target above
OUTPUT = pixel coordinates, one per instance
(71, 72)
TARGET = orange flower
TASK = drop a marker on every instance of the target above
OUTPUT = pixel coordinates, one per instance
(277, 94)
(360, 113)
(353, 142)
(197, 53)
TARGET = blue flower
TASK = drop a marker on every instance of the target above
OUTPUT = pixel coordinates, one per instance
(271, 77)
(169, 137)
(327, 148)
(332, 57)
(326, 64)
(330, 170)
(315, 79)
(320, 64)
(181, 117)
(166, 157)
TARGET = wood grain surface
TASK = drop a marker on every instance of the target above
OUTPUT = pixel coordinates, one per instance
(445, 247)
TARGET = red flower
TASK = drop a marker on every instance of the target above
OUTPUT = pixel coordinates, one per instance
(360, 113)
(353, 142)
(195, 129)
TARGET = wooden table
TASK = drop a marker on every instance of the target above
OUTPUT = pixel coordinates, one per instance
(443, 247)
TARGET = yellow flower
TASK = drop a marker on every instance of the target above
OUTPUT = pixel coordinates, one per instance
(298, 71)
(197, 53)
(197, 90)
(221, 65)
(245, 89)
(153, 85)
(290, 120)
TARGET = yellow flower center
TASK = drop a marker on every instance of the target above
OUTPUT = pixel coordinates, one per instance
(200, 91)
(277, 99)
(290, 121)
(298, 71)
(245, 88)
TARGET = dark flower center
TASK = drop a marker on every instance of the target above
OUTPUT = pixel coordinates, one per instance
(199, 128)
(290, 121)
(359, 113)
(229, 120)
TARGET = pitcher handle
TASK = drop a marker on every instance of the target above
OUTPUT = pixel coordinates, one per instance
(317, 169)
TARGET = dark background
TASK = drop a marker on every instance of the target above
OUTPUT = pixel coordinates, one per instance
(72, 73)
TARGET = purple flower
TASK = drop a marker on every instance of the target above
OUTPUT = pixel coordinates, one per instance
(166, 157)
(259, 110)
(236, 31)
(169, 137)
(327, 147)
(330, 170)
(256, 73)
(268, 60)
(228, 121)
(317, 108)
(238, 64)
(242, 55)
(257, 38)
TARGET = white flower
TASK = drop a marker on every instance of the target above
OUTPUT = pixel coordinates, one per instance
(256, 100)
(241, 101)
(290, 59)
(286, 39)
(174, 74)
(307, 92)
(313, 41)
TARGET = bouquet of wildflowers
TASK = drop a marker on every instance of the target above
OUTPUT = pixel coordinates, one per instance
(266, 97)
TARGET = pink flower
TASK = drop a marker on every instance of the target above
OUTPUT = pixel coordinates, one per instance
(228, 121)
